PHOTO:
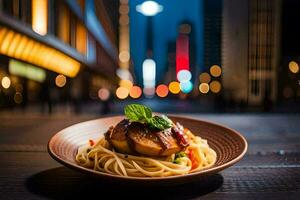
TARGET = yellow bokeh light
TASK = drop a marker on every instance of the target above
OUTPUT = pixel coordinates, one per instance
(124, 56)
(174, 87)
(126, 84)
(204, 88)
(122, 92)
(294, 67)
(204, 77)
(60, 80)
(6, 82)
(215, 86)
(215, 71)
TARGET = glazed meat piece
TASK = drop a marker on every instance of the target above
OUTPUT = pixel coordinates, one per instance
(116, 136)
(150, 142)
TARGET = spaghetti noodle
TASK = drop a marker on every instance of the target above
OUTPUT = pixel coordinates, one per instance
(102, 157)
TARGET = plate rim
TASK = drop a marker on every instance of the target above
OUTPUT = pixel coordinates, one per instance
(106, 175)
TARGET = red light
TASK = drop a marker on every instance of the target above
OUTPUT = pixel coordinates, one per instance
(162, 90)
(182, 53)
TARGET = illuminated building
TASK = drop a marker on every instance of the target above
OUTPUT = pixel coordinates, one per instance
(250, 49)
(53, 40)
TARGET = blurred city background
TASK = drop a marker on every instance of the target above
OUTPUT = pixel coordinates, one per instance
(95, 56)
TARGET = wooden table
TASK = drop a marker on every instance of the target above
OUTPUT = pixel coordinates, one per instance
(271, 168)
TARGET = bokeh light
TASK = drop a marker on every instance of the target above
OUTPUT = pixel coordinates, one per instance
(204, 88)
(149, 92)
(5, 82)
(215, 71)
(103, 94)
(149, 73)
(122, 92)
(149, 8)
(126, 84)
(135, 92)
(162, 90)
(204, 77)
(124, 20)
(174, 87)
(18, 98)
(124, 9)
(124, 56)
(294, 67)
(185, 28)
(186, 87)
(215, 86)
(60, 80)
(184, 75)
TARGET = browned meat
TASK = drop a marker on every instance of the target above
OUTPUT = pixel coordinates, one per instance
(116, 136)
(151, 143)
(131, 138)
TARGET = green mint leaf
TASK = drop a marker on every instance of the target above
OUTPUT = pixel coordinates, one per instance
(167, 119)
(143, 114)
(138, 113)
(160, 123)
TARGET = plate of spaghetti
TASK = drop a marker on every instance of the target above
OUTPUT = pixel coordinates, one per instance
(146, 147)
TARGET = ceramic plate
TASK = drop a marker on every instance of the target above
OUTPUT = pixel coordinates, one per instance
(229, 145)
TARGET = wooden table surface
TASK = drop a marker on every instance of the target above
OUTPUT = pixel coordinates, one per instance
(271, 168)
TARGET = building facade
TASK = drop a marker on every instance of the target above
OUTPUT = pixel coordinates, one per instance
(251, 49)
(73, 39)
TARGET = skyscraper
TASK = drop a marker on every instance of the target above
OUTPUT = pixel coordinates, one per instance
(250, 49)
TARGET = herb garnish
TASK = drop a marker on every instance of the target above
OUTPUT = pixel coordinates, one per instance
(143, 114)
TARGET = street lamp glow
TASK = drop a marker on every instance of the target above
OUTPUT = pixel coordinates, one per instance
(149, 71)
(149, 8)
